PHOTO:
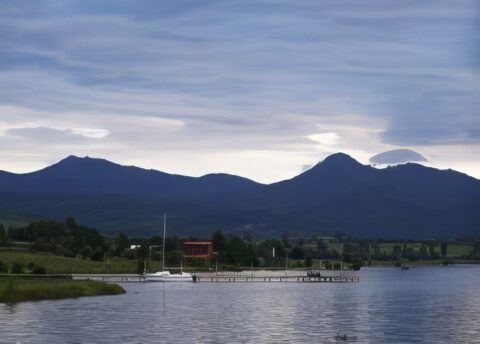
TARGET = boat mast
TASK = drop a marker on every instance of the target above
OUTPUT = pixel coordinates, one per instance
(163, 248)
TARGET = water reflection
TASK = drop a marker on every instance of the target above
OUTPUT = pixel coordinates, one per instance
(422, 305)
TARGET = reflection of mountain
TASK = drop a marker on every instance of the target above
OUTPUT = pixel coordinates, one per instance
(337, 194)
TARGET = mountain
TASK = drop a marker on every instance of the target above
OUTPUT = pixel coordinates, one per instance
(89, 175)
(339, 193)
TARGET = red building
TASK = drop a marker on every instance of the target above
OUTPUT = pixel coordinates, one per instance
(197, 249)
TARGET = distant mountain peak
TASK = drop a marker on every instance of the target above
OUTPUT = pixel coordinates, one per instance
(338, 160)
(79, 159)
(337, 163)
(339, 157)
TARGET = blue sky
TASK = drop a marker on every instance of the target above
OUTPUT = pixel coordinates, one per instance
(262, 89)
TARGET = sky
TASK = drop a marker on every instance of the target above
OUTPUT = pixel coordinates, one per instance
(261, 89)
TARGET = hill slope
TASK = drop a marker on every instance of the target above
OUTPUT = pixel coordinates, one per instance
(405, 201)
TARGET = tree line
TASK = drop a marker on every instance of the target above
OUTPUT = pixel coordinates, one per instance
(70, 239)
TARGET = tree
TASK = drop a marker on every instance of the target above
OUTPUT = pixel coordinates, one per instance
(171, 243)
(141, 266)
(285, 238)
(308, 261)
(247, 236)
(121, 243)
(218, 244)
(3, 268)
(3, 233)
(397, 251)
(17, 268)
(321, 250)
(339, 235)
(97, 254)
(86, 251)
(236, 252)
(357, 263)
(70, 222)
(443, 249)
(39, 270)
(297, 253)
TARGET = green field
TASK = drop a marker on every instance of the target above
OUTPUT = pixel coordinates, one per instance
(18, 289)
(458, 250)
(388, 247)
(63, 265)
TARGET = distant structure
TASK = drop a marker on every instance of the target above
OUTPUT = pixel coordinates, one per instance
(197, 250)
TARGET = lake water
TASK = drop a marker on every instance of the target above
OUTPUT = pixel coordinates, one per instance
(421, 305)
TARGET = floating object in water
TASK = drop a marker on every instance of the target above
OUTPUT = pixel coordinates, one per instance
(345, 338)
(405, 267)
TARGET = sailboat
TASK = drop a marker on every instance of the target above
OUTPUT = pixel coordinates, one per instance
(165, 275)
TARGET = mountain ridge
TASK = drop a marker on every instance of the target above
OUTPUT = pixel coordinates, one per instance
(338, 193)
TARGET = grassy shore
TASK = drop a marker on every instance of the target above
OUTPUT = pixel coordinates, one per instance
(63, 265)
(18, 289)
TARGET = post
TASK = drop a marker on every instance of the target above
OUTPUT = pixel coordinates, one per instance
(163, 249)
(286, 266)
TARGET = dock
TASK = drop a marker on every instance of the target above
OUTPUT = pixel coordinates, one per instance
(266, 279)
(244, 277)
(114, 278)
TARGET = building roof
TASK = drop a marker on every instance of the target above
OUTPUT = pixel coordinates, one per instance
(197, 242)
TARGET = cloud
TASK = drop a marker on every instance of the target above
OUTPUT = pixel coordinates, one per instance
(172, 82)
(327, 139)
(397, 156)
(52, 135)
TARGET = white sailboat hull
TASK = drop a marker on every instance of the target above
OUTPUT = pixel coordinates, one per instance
(166, 276)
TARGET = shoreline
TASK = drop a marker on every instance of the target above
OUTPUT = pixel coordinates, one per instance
(15, 289)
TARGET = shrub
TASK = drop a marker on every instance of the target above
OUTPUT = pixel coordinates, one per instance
(17, 268)
(97, 255)
(86, 251)
(39, 270)
(3, 268)
(357, 263)
(30, 266)
(69, 254)
(308, 261)
(140, 266)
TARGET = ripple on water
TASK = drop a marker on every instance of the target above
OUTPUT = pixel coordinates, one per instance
(422, 305)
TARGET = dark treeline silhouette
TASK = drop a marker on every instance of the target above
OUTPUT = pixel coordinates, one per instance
(70, 239)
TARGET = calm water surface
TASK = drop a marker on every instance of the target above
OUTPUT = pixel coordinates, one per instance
(422, 305)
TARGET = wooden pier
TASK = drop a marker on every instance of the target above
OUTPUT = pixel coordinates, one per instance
(114, 278)
(284, 279)
(228, 278)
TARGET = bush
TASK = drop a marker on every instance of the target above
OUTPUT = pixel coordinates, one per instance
(97, 255)
(86, 251)
(308, 261)
(3, 268)
(140, 266)
(69, 254)
(357, 263)
(17, 268)
(39, 270)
